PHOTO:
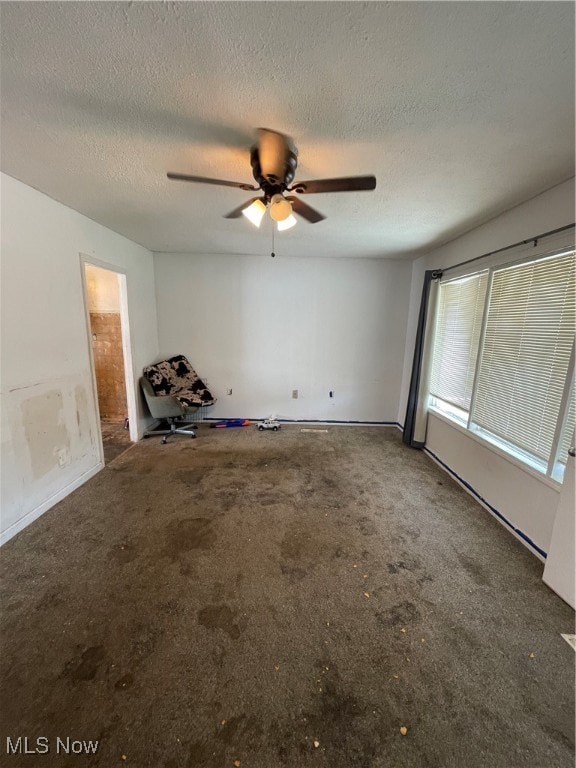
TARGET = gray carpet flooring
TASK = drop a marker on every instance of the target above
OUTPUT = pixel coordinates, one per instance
(298, 599)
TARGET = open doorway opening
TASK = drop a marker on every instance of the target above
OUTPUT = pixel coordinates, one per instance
(109, 335)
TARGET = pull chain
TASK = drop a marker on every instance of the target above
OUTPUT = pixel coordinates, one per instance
(272, 254)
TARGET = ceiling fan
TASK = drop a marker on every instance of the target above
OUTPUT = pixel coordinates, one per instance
(274, 160)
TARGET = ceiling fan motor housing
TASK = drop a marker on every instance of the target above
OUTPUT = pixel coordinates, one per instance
(272, 185)
(274, 159)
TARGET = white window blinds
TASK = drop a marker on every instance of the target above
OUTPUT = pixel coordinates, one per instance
(524, 363)
(456, 336)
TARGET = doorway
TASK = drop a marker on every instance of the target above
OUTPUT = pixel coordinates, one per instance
(105, 291)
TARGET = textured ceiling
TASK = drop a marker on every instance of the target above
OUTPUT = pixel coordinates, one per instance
(461, 110)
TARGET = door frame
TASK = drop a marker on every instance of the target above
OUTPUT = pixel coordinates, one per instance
(126, 345)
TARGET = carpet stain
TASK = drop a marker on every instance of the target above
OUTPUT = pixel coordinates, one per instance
(293, 573)
(268, 499)
(191, 477)
(123, 553)
(220, 617)
(218, 591)
(367, 526)
(340, 552)
(334, 720)
(52, 598)
(396, 567)
(402, 614)
(169, 607)
(228, 742)
(187, 534)
(87, 666)
(476, 571)
(292, 545)
(218, 656)
(15, 606)
(300, 546)
(125, 682)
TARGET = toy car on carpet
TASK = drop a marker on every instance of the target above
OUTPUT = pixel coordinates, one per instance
(269, 424)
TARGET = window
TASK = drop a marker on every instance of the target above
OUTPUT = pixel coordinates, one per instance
(502, 359)
(456, 339)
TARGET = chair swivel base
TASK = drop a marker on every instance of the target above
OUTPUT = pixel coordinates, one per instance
(174, 427)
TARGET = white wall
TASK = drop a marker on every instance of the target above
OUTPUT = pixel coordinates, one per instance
(528, 502)
(263, 327)
(50, 434)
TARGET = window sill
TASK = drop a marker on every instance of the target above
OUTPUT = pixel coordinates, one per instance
(554, 484)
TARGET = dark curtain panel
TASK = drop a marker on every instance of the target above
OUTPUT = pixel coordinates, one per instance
(415, 381)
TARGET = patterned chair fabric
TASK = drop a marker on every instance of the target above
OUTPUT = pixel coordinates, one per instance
(177, 378)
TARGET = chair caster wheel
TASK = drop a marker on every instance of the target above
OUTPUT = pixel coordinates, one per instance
(164, 441)
(193, 437)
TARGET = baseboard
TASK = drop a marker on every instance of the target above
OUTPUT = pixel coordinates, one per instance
(35, 513)
(520, 535)
(334, 422)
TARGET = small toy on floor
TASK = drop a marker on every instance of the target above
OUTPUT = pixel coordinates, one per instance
(268, 424)
(231, 423)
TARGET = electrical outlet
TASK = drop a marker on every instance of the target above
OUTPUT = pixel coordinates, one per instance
(295, 394)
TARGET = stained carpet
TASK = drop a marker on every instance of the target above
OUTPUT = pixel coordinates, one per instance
(281, 599)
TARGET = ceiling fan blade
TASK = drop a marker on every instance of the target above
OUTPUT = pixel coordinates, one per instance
(273, 151)
(237, 212)
(350, 184)
(305, 210)
(204, 180)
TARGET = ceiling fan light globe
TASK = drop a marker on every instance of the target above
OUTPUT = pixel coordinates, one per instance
(280, 209)
(287, 223)
(255, 212)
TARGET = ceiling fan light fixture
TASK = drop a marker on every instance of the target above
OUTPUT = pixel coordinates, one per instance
(280, 208)
(255, 212)
(287, 223)
(274, 159)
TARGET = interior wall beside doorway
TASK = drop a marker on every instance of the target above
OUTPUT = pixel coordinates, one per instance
(106, 333)
(50, 437)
